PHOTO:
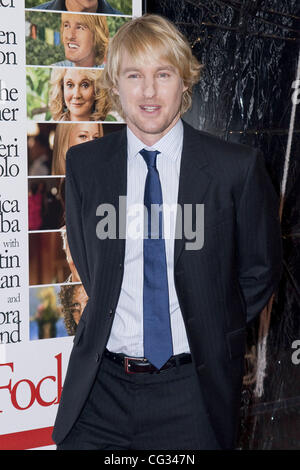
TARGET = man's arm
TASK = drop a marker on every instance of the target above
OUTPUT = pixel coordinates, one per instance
(259, 238)
(74, 228)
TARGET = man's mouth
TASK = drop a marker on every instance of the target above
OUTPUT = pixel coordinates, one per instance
(150, 108)
(72, 45)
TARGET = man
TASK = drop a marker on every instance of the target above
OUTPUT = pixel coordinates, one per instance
(88, 6)
(158, 353)
(85, 39)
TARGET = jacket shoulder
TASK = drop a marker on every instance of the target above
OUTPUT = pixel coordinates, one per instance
(217, 148)
(98, 152)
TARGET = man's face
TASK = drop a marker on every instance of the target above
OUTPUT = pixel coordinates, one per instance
(82, 5)
(150, 95)
(78, 43)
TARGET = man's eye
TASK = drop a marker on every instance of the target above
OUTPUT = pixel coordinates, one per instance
(164, 75)
(83, 137)
(75, 307)
(133, 75)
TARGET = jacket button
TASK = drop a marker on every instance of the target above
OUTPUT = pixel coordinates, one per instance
(97, 357)
(201, 368)
(110, 313)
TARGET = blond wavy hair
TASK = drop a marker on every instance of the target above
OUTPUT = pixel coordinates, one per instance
(99, 28)
(150, 36)
(102, 101)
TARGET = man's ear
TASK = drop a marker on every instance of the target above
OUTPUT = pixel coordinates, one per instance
(115, 91)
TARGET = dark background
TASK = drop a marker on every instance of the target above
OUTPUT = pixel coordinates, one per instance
(250, 51)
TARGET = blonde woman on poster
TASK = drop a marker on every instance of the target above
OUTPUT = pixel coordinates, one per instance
(75, 95)
(67, 135)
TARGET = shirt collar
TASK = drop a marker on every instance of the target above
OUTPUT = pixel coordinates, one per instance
(170, 144)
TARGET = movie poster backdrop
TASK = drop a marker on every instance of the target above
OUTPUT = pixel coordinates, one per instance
(45, 55)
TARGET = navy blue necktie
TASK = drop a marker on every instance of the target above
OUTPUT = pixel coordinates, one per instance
(157, 329)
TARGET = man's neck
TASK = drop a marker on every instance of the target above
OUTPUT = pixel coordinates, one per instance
(173, 133)
(151, 139)
(72, 5)
(87, 62)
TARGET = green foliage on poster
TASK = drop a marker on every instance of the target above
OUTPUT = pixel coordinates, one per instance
(40, 53)
(124, 6)
(37, 82)
(48, 20)
(114, 23)
(41, 48)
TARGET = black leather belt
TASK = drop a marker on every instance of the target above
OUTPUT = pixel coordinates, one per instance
(134, 365)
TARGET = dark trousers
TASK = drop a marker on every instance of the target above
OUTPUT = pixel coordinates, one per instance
(142, 411)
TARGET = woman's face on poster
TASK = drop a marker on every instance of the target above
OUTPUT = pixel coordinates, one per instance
(83, 132)
(79, 96)
(78, 42)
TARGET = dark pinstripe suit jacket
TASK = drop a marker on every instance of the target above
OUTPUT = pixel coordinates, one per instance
(220, 287)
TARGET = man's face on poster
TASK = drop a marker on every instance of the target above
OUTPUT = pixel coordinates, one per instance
(78, 42)
(82, 5)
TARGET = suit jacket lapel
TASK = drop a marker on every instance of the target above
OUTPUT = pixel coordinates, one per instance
(115, 181)
(194, 178)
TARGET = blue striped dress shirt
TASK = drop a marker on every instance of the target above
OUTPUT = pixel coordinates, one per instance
(127, 330)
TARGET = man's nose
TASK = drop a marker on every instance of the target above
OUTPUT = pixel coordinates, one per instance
(71, 33)
(149, 87)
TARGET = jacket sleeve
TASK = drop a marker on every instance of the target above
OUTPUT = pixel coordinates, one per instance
(74, 226)
(258, 238)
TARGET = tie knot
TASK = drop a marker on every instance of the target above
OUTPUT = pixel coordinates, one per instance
(150, 157)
